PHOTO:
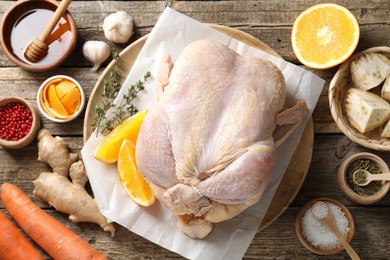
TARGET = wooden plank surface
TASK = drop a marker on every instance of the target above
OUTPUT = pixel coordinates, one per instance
(270, 21)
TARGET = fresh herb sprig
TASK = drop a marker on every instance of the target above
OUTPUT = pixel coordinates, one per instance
(111, 88)
(126, 108)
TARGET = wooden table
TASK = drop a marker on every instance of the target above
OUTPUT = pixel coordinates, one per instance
(270, 21)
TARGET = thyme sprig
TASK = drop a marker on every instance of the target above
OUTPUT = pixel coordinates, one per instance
(111, 88)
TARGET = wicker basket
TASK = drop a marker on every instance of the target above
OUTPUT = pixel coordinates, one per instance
(338, 88)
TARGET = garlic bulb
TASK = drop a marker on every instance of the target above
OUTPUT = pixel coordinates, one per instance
(96, 52)
(118, 27)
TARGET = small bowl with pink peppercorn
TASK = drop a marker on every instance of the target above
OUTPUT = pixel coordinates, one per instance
(19, 122)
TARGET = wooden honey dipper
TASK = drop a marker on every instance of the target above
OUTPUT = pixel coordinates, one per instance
(38, 48)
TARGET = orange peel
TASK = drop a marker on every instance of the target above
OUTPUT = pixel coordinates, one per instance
(64, 87)
(55, 102)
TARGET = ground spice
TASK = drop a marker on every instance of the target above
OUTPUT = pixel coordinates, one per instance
(370, 166)
(317, 234)
(15, 121)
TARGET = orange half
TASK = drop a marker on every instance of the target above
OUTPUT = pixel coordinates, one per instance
(324, 35)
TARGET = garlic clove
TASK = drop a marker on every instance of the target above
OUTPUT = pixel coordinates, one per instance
(118, 27)
(96, 52)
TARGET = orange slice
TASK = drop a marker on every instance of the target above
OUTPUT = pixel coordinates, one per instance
(130, 178)
(324, 35)
(108, 149)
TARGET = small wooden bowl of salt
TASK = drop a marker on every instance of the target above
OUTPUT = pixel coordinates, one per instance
(315, 236)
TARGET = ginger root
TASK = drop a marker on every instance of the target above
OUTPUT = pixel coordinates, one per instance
(55, 188)
(54, 151)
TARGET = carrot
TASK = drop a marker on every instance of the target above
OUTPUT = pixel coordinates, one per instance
(51, 235)
(13, 244)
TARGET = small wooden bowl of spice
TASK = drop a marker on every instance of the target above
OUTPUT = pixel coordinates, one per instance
(19, 122)
(370, 193)
(315, 236)
(60, 98)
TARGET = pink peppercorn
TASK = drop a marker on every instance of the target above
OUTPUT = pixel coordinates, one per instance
(15, 121)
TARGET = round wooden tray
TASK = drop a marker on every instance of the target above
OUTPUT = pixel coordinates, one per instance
(299, 164)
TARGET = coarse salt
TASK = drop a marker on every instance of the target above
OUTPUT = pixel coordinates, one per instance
(316, 233)
(320, 210)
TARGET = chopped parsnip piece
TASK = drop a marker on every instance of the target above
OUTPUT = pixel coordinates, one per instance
(386, 130)
(366, 111)
(369, 70)
(385, 92)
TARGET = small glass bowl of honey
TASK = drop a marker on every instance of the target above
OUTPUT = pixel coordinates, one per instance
(25, 21)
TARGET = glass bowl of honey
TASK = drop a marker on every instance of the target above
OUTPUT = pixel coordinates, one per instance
(23, 22)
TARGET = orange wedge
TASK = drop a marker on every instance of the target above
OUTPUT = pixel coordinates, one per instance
(108, 149)
(324, 35)
(130, 178)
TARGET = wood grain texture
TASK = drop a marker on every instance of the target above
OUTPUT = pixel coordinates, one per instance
(278, 241)
(269, 21)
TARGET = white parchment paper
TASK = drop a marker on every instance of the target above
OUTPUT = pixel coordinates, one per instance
(230, 239)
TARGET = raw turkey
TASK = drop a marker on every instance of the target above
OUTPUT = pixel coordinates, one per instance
(208, 147)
